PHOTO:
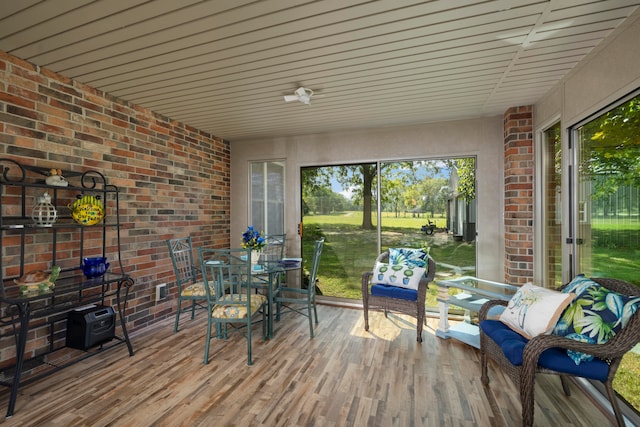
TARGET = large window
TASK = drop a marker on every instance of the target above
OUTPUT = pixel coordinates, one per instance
(267, 197)
(605, 212)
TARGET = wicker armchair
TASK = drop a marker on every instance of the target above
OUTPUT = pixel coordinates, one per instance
(414, 307)
(523, 375)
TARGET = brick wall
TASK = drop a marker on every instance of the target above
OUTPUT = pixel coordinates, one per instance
(174, 179)
(518, 197)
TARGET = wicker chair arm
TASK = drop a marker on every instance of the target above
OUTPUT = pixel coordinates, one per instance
(366, 280)
(616, 347)
(431, 272)
(484, 309)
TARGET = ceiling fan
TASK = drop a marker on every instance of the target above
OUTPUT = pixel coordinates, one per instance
(301, 94)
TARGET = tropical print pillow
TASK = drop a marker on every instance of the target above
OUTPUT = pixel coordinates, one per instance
(595, 316)
(409, 256)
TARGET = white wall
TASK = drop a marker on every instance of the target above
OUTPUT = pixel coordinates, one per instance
(481, 137)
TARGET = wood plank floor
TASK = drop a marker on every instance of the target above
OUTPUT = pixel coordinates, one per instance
(343, 377)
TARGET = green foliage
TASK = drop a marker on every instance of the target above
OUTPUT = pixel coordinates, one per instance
(312, 179)
(324, 201)
(467, 178)
(434, 193)
(611, 149)
(395, 191)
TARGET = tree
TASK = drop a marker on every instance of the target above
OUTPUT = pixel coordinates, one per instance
(466, 167)
(394, 191)
(321, 200)
(362, 179)
(612, 148)
(399, 185)
(433, 199)
(413, 198)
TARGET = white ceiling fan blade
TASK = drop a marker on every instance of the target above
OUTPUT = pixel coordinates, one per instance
(290, 98)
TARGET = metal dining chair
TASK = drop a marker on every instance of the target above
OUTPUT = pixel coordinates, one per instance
(270, 254)
(233, 302)
(302, 300)
(273, 249)
(190, 288)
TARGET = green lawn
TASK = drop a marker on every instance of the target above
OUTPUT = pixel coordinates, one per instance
(616, 251)
(349, 251)
(627, 379)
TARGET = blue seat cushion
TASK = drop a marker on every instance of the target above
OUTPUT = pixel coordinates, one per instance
(389, 291)
(511, 342)
(512, 345)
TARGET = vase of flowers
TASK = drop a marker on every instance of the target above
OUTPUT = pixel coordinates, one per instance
(252, 239)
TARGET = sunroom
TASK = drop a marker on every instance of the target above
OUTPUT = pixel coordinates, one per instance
(182, 106)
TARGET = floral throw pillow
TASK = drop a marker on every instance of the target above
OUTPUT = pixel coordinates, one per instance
(595, 316)
(409, 256)
(403, 276)
(534, 310)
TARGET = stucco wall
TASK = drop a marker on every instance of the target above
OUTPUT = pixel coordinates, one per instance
(609, 73)
(481, 137)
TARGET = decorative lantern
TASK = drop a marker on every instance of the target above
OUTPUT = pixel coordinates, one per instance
(44, 214)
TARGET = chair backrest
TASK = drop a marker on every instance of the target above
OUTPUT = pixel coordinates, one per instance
(315, 262)
(181, 251)
(273, 249)
(228, 272)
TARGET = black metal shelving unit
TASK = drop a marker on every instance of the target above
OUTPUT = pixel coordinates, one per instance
(67, 243)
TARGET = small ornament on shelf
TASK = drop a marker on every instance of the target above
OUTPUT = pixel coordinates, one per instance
(38, 281)
(56, 179)
(44, 214)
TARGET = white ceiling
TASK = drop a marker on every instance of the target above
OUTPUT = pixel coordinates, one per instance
(224, 66)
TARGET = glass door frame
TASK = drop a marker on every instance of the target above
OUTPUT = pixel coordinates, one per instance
(541, 267)
(576, 211)
(380, 206)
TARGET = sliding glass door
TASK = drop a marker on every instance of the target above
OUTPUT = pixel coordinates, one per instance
(608, 193)
(366, 208)
(606, 210)
(338, 204)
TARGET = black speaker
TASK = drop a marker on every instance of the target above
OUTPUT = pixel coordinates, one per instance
(90, 326)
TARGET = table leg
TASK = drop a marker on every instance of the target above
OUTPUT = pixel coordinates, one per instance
(270, 307)
(274, 288)
(443, 303)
